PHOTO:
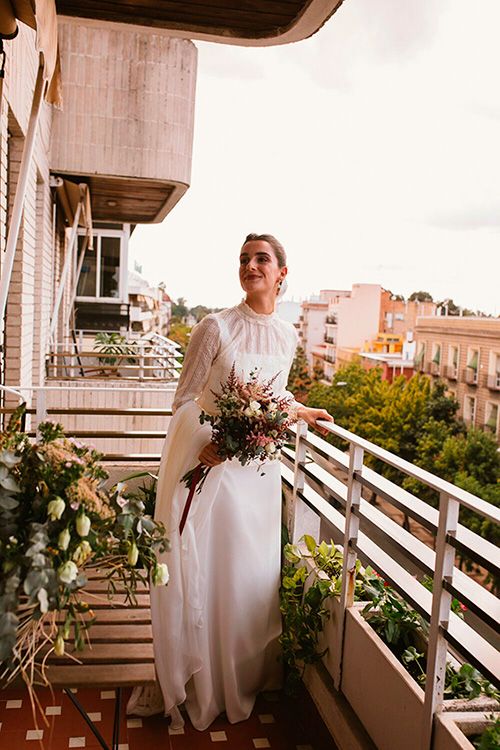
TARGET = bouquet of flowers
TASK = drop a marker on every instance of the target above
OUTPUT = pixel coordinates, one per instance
(251, 424)
(56, 521)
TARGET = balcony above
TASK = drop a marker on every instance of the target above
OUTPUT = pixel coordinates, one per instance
(245, 23)
(127, 124)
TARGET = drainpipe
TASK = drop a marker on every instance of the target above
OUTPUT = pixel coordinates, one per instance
(17, 209)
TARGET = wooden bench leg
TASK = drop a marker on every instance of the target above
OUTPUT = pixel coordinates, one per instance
(92, 726)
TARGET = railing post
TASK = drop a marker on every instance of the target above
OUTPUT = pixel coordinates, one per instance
(141, 360)
(41, 409)
(440, 615)
(349, 562)
(298, 481)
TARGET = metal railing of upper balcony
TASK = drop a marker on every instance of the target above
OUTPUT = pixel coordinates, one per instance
(311, 474)
(327, 484)
(140, 360)
(493, 381)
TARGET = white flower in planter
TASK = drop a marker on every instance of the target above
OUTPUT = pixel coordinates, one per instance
(83, 524)
(55, 509)
(68, 572)
(59, 645)
(43, 601)
(271, 448)
(133, 554)
(82, 552)
(64, 539)
(161, 575)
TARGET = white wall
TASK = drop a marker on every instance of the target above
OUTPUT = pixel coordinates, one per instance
(359, 316)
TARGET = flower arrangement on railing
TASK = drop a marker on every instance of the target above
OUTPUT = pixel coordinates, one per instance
(303, 593)
(56, 523)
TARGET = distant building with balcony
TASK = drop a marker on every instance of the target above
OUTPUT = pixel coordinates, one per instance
(465, 352)
(311, 325)
(369, 319)
(149, 306)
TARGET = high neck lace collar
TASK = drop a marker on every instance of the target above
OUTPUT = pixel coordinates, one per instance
(247, 312)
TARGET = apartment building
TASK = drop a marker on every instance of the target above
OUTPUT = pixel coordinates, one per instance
(465, 352)
(313, 322)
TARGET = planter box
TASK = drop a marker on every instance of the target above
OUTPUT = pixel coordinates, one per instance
(452, 730)
(387, 700)
(385, 697)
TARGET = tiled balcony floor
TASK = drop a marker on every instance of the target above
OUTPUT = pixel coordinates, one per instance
(278, 722)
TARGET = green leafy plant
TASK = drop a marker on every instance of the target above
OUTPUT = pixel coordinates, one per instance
(115, 347)
(402, 628)
(490, 738)
(302, 596)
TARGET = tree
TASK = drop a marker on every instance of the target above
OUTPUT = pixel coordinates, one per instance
(179, 332)
(179, 309)
(299, 380)
(420, 297)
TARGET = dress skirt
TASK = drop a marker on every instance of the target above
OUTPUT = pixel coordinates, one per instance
(216, 625)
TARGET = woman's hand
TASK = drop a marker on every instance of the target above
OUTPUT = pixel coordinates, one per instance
(209, 456)
(310, 415)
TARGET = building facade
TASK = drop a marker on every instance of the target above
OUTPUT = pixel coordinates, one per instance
(465, 353)
(117, 154)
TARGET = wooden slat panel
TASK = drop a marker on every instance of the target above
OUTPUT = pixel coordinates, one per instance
(123, 633)
(95, 676)
(108, 653)
(99, 584)
(250, 15)
(132, 616)
(100, 601)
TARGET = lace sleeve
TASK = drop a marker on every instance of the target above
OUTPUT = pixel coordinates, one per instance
(201, 352)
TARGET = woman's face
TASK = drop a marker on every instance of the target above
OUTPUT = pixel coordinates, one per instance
(259, 269)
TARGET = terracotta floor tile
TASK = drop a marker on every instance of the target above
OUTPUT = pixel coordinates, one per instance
(284, 724)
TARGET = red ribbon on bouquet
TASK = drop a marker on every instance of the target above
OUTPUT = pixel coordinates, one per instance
(194, 481)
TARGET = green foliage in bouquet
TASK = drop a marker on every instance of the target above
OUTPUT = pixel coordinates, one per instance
(56, 523)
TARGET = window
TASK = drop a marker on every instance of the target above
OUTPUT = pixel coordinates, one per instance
(491, 418)
(472, 366)
(469, 410)
(453, 362)
(435, 366)
(419, 359)
(103, 273)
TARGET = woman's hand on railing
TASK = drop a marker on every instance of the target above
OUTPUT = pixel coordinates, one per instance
(311, 416)
(209, 456)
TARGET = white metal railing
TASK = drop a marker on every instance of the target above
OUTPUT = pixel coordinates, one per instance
(312, 474)
(143, 359)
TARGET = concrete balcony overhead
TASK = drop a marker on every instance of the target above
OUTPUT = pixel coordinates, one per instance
(127, 124)
(248, 23)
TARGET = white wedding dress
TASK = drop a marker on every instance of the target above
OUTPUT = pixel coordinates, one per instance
(216, 625)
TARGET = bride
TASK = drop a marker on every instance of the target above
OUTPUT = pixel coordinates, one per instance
(216, 625)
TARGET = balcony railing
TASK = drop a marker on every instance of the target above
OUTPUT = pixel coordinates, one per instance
(470, 376)
(493, 381)
(324, 490)
(451, 372)
(329, 358)
(143, 360)
(329, 339)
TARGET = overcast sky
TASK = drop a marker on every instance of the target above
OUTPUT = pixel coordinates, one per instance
(371, 150)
